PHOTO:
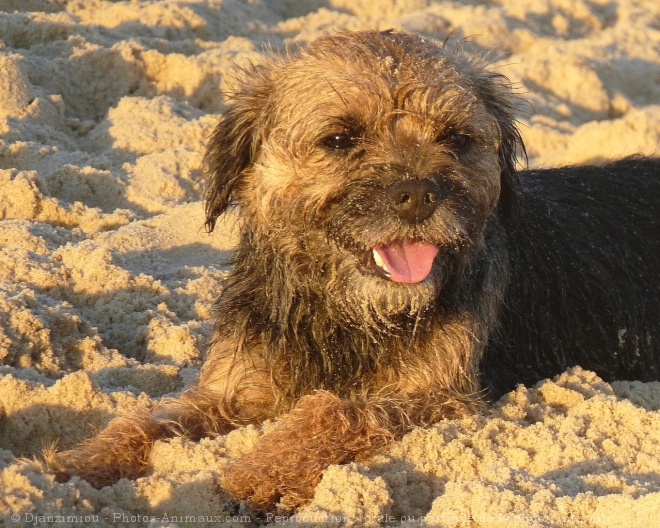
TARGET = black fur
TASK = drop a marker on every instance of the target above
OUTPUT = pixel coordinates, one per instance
(584, 290)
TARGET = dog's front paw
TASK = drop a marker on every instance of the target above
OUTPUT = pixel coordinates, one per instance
(269, 484)
(98, 468)
(286, 464)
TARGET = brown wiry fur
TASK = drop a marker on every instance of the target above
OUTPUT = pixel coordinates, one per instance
(306, 328)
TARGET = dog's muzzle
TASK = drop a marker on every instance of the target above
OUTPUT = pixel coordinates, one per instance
(408, 261)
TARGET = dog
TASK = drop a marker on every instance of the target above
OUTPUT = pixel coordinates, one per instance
(394, 269)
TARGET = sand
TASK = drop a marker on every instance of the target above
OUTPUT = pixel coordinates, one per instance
(107, 276)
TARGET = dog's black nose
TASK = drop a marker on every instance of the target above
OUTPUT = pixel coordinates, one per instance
(414, 200)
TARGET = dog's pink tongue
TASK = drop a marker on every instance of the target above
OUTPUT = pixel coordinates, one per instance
(407, 262)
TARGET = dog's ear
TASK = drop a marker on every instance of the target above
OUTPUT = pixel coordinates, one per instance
(236, 140)
(498, 96)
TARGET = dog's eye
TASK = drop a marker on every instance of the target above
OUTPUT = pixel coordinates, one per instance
(339, 141)
(454, 140)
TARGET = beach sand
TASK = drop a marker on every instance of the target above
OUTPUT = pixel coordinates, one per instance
(107, 277)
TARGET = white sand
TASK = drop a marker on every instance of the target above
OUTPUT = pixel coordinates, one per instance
(107, 276)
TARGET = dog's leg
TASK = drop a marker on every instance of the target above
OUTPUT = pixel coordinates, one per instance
(123, 448)
(232, 393)
(286, 464)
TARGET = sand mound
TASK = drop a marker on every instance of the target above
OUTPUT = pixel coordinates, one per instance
(107, 276)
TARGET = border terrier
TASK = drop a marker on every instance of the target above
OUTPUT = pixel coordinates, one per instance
(393, 267)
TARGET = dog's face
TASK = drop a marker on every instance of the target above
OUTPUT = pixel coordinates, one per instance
(369, 163)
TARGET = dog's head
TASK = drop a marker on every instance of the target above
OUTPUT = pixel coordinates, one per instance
(370, 162)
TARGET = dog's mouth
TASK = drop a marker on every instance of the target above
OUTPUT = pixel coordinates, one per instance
(406, 262)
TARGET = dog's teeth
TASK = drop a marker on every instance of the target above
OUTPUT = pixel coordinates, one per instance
(379, 260)
(381, 263)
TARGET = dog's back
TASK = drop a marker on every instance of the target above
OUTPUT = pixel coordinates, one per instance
(585, 282)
